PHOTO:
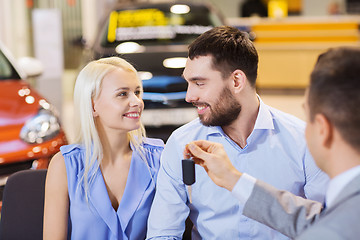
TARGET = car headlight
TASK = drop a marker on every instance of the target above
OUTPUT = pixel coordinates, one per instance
(42, 127)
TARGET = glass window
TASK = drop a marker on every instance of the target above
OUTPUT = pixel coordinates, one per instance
(6, 69)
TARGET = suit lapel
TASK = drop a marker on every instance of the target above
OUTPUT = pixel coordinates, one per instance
(352, 188)
(137, 183)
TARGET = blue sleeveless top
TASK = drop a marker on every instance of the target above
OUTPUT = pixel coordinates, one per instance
(97, 219)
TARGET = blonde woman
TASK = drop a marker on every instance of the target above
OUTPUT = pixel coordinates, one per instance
(102, 186)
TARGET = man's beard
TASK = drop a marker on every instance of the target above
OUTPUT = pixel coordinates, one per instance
(224, 111)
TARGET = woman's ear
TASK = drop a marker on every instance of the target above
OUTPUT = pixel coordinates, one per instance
(239, 80)
(94, 112)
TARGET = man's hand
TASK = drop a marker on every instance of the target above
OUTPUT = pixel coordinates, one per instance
(213, 158)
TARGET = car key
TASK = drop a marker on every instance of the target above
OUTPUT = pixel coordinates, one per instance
(188, 170)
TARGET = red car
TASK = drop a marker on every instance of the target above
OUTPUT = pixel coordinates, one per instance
(30, 131)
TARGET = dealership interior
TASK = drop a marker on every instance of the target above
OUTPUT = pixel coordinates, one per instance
(60, 33)
(59, 37)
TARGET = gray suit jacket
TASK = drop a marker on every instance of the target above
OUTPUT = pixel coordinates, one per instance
(305, 219)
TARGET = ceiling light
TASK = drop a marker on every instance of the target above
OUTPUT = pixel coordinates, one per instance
(177, 62)
(145, 75)
(180, 9)
(129, 47)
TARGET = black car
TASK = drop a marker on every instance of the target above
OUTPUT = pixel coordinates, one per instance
(154, 38)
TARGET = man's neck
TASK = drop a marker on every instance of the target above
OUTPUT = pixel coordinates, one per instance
(342, 164)
(340, 157)
(243, 126)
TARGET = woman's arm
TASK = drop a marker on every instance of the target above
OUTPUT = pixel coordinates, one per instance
(56, 209)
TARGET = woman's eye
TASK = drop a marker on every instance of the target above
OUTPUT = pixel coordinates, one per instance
(123, 94)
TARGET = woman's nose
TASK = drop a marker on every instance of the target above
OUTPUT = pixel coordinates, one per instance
(135, 100)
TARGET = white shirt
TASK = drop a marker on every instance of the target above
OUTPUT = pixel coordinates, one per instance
(338, 183)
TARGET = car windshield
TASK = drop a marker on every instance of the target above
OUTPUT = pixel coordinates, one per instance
(159, 24)
(7, 71)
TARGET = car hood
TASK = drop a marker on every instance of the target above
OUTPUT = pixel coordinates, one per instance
(18, 103)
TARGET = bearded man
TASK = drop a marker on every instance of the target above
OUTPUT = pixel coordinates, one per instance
(221, 72)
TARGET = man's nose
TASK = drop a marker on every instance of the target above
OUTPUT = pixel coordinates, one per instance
(191, 95)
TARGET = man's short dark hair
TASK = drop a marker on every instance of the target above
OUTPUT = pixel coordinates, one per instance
(335, 91)
(230, 49)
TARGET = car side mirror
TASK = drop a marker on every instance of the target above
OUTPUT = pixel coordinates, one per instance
(30, 66)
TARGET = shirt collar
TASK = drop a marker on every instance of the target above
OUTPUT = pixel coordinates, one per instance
(264, 120)
(338, 183)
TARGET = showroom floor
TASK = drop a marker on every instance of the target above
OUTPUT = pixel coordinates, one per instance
(289, 101)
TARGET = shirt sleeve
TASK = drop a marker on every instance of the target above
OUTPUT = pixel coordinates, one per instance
(243, 188)
(169, 209)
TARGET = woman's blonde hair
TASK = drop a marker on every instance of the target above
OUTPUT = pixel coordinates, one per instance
(87, 88)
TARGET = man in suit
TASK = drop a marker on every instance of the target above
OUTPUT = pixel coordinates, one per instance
(333, 137)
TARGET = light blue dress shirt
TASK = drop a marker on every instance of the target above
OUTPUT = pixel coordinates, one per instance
(276, 153)
(97, 219)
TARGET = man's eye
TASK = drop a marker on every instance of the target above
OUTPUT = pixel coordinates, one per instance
(137, 93)
(199, 83)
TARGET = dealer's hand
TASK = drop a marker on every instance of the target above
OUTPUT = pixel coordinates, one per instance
(213, 158)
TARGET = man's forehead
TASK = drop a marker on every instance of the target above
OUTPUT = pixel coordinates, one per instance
(200, 64)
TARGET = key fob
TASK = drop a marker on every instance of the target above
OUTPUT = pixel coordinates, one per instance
(188, 170)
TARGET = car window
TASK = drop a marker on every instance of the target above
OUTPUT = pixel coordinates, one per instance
(158, 25)
(6, 69)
